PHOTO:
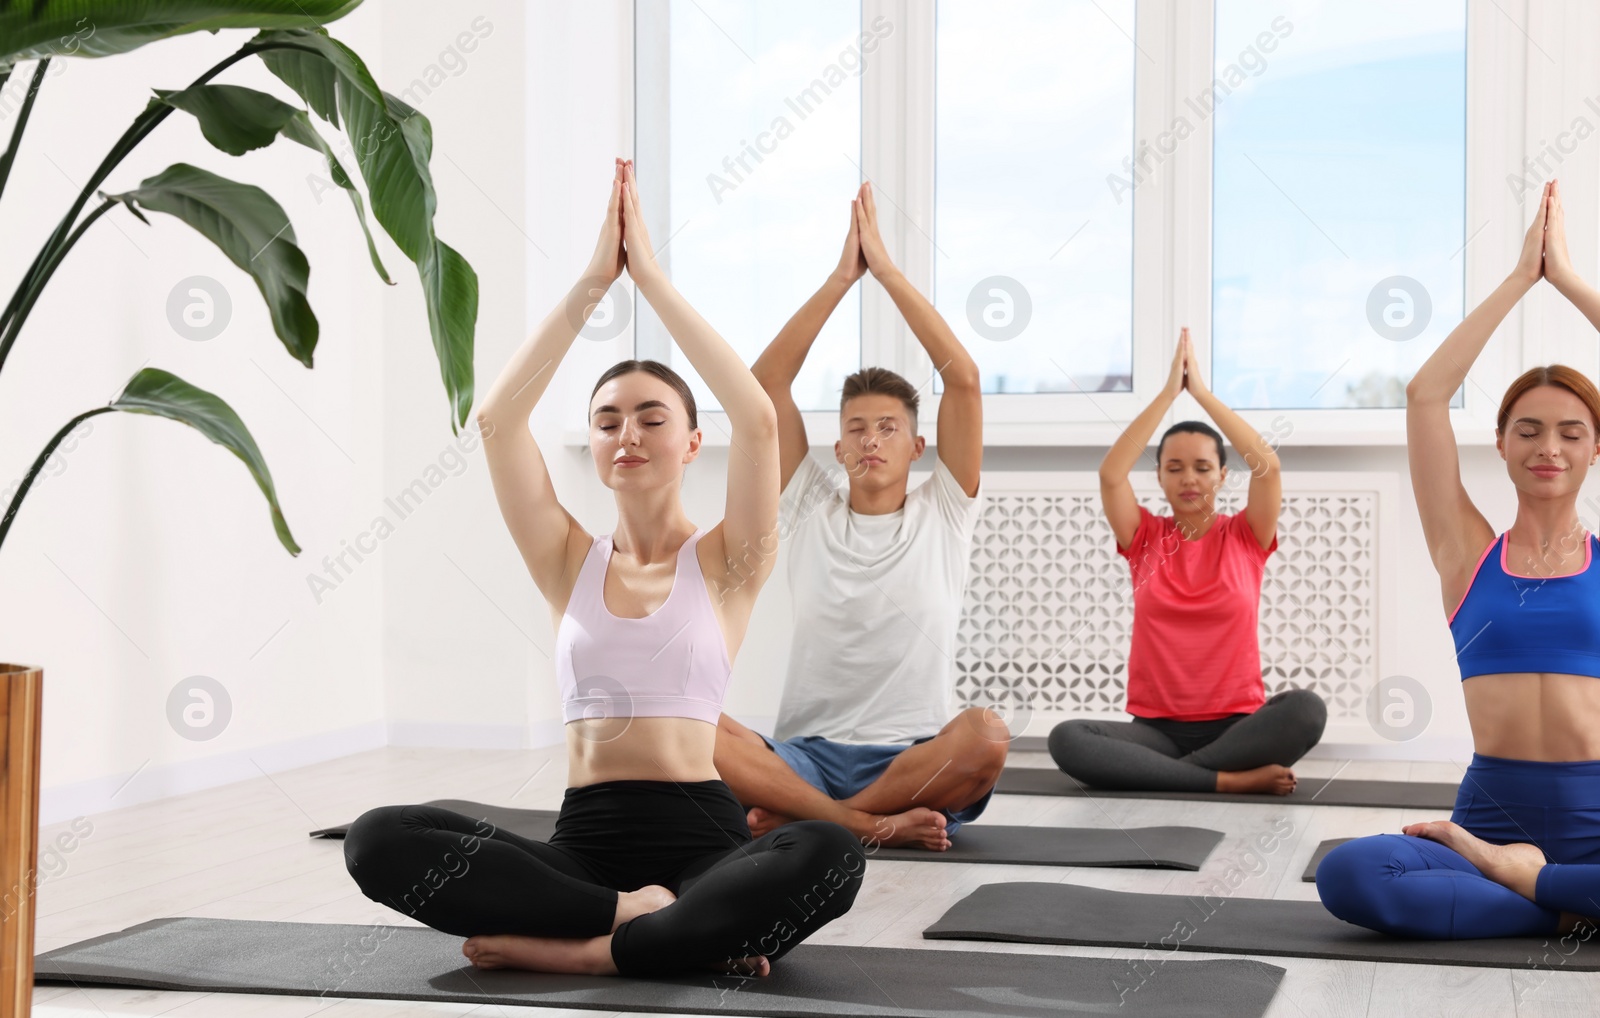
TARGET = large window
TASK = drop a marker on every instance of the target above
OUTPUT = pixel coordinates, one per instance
(1070, 181)
(1033, 258)
(750, 148)
(1339, 191)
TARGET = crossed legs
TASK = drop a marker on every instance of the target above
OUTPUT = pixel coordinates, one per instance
(954, 769)
(1520, 856)
(1439, 881)
(1251, 754)
(534, 905)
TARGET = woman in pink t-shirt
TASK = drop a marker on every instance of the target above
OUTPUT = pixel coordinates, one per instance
(1201, 719)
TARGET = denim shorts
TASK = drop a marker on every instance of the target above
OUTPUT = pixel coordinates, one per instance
(841, 769)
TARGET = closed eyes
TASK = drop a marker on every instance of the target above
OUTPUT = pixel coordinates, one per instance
(653, 424)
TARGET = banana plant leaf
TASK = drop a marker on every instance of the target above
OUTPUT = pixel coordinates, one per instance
(393, 144)
(163, 394)
(238, 120)
(30, 29)
(251, 229)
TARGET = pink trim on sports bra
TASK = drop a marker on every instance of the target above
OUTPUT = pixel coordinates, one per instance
(1588, 553)
(1475, 570)
(1588, 556)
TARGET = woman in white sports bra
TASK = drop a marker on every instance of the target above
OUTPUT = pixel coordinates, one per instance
(651, 869)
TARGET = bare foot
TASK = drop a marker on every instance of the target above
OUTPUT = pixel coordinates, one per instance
(590, 956)
(1273, 779)
(632, 904)
(756, 965)
(763, 821)
(1514, 866)
(919, 827)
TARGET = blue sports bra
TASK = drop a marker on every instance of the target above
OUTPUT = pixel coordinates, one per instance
(1507, 622)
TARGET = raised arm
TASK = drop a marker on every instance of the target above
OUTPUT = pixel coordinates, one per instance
(1455, 530)
(749, 526)
(1264, 499)
(1117, 499)
(552, 543)
(1558, 264)
(779, 364)
(960, 429)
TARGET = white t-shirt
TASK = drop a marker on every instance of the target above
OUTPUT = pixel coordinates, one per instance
(876, 603)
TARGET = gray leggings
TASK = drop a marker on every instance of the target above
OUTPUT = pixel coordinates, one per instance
(1159, 754)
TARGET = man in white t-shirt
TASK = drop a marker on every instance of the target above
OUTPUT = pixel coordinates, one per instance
(865, 734)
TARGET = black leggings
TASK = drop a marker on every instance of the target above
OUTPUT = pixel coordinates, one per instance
(736, 897)
(1159, 754)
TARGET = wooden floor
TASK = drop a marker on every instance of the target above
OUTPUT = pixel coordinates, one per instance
(241, 852)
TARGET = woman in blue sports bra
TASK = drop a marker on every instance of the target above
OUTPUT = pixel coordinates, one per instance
(651, 869)
(1520, 855)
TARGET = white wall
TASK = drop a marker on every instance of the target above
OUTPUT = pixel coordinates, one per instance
(148, 556)
(456, 663)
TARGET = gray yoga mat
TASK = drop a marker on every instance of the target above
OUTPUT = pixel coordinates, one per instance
(1309, 792)
(1323, 848)
(1033, 913)
(1174, 848)
(416, 963)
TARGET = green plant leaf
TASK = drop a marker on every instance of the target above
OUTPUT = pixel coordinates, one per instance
(233, 118)
(311, 77)
(299, 129)
(252, 230)
(346, 67)
(238, 120)
(393, 144)
(98, 28)
(153, 391)
(451, 289)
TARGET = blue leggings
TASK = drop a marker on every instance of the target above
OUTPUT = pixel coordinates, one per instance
(1412, 887)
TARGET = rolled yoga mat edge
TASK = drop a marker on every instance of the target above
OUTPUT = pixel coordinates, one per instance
(189, 954)
(1073, 914)
(1309, 792)
(1176, 848)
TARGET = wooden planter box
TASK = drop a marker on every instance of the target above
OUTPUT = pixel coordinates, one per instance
(21, 700)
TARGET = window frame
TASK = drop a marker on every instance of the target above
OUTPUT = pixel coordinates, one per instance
(1517, 94)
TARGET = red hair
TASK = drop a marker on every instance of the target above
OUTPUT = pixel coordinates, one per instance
(1558, 375)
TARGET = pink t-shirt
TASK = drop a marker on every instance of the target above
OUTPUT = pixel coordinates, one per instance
(1194, 653)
